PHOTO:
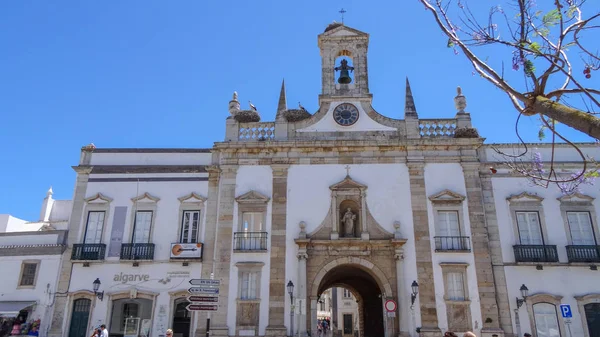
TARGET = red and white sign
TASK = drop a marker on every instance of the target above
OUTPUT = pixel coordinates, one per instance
(390, 306)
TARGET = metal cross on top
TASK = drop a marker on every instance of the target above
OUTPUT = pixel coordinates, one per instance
(347, 170)
(342, 11)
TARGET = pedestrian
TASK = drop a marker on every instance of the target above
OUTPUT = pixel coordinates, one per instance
(527, 334)
(104, 332)
(169, 333)
(96, 332)
(469, 334)
(450, 334)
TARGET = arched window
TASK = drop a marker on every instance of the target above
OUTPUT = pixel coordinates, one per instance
(546, 320)
(344, 67)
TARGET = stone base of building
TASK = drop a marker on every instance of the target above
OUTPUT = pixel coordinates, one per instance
(219, 331)
(492, 333)
(430, 332)
(276, 331)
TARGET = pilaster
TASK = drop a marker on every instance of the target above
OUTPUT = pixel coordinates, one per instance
(481, 251)
(429, 319)
(64, 279)
(277, 279)
(224, 232)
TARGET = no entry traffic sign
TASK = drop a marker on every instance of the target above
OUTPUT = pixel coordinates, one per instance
(390, 306)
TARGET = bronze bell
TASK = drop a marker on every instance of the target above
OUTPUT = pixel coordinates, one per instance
(344, 69)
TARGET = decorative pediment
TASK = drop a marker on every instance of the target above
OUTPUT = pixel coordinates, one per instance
(576, 197)
(347, 184)
(146, 197)
(447, 196)
(525, 197)
(338, 29)
(192, 198)
(252, 197)
(98, 198)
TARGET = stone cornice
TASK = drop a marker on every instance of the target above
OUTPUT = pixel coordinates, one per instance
(124, 169)
(348, 145)
(151, 150)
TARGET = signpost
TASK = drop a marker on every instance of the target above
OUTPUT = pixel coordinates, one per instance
(210, 299)
(202, 307)
(203, 290)
(205, 282)
(390, 306)
(205, 297)
(567, 314)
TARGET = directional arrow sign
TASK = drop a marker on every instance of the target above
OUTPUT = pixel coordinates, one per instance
(203, 290)
(205, 282)
(196, 298)
(202, 307)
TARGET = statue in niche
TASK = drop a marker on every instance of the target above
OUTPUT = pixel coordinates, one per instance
(344, 69)
(348, 221)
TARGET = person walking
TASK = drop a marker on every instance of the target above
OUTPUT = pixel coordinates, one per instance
(104, 332)
(169, 333)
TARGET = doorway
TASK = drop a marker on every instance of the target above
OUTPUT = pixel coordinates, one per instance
(592, 315)
(80, 317)
(182, 318)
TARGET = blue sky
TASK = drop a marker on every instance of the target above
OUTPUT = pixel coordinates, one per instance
(160, 74)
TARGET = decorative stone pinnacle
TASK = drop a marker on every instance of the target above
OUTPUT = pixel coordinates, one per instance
(409, 104)
(302, 225)
(50, 192)
(460, 101)
(234, 104)
(282, 105)
(397, 225)
(235, 96)
(89, 147)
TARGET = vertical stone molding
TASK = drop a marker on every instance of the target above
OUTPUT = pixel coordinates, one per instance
(481, 250)
(64, 279)
(210, 232)
(277, 278)
(493, 233)
(429, 319)
(224, 232)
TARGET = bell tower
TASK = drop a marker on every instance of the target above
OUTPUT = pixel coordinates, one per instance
(344, 61)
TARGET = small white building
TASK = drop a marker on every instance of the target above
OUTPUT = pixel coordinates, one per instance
(30, 255)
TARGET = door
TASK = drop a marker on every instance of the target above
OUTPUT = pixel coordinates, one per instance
(348, 324)
(449, 230)
(252, 228)
(530, 230)
(580, 226)
(592, 315)
(181, 318)
(80, 317)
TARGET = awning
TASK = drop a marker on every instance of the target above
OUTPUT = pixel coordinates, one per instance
(12, 308)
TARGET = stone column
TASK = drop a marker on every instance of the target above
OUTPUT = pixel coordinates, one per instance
(64, 280)
(302, 256)
(313, 315)
(210, 233)
(429, 319)
(481, 251)
(277, 279)
(402, 300)
(224, 232)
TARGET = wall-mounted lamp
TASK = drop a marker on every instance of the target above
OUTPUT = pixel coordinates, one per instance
(524, 294)
(99, 294)
(415, 291)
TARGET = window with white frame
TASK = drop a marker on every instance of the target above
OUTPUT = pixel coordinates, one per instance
(347, 293)
(190, 227)
(546, 320)
(530, 229)
(142, 227)
(455, 286)
(94, 227)
(28, 274)
(248, 288)
(580, 226)
(251, 226)
(252, 221)
(448, 230)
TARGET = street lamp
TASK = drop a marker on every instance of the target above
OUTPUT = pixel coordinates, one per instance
(415, 291)
(524, 294)
(290, 289)
(97, 284)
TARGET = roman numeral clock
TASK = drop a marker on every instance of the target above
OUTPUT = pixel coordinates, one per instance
(345, 114)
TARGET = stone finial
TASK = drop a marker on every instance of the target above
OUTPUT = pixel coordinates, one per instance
(410, 109)
(234, 104)
(460, 102)
(302, 225)
(282, 105)
(397, 225)
(49, 192)
(90, 147)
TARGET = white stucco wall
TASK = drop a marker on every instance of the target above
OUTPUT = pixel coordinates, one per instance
(259, 179)
(440, 177)
(47, 275)
(388, 200)
(559, 279)
(364, 122)
(561, 152)
(144, 158)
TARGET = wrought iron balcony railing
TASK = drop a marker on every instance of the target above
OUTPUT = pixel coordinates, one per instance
(452, 243)
(88, 252)
(137, 251)
(535, 253)
(244, 241)
(582, 253)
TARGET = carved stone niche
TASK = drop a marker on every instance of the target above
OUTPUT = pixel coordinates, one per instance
(348, 203)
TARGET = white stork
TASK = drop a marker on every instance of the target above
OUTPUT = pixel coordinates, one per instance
(252, 106)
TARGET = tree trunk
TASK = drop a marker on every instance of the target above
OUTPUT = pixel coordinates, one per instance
(577, 119)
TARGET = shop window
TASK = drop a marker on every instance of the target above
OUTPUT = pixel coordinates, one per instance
(130, 316)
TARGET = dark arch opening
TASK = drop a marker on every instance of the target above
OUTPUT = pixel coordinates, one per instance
(368, 294)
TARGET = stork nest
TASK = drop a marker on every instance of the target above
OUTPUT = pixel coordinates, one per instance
(466, 133)
(296, 115)
(247, 116)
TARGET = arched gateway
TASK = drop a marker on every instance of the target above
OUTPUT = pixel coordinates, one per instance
(350, 249)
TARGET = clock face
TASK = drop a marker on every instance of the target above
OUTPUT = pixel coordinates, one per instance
(345, 114)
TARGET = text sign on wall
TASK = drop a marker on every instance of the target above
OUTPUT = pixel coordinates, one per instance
(116, 234)
(202, 307)
(196, 298)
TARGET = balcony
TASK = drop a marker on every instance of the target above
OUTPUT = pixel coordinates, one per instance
(88, 252)
(452, 244)
(535, 253)
(250, 241)
(137, 251)
(583, 253)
